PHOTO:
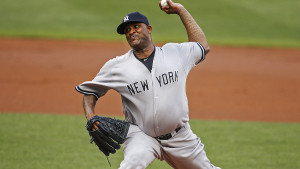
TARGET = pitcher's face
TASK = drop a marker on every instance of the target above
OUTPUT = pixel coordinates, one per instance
(138, 35)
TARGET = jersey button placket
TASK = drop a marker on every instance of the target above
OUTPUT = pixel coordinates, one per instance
(155, 101)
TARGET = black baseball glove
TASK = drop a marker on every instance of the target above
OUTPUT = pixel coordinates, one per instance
(109, 135)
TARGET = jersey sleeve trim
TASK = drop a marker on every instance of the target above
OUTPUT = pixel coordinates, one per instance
(86, 92)
(202, 50)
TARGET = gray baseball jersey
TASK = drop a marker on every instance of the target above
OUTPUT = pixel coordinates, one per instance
(154, 100)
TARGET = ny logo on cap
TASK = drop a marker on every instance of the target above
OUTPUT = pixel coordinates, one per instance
(126, 18)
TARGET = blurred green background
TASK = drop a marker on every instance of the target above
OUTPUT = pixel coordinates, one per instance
(272, 23)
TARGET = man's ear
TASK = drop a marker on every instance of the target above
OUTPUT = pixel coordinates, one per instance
(149, 27)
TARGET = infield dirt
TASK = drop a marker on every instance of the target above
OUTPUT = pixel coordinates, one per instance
(233, 83)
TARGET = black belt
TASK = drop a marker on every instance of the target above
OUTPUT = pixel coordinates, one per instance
(169, 135)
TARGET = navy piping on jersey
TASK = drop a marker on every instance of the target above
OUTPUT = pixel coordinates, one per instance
(87, 93)
(203, 51)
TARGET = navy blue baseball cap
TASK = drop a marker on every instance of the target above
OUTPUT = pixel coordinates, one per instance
(134, 17)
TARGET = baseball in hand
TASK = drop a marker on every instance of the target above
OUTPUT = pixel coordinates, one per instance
(164, 3)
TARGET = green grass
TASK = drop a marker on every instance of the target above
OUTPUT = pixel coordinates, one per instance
(272, 23)
(32, 141)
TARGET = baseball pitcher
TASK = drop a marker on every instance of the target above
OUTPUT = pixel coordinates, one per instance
(152, 83)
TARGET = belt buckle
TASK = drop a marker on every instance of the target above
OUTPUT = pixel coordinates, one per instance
(165, 137)
(169, 135)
